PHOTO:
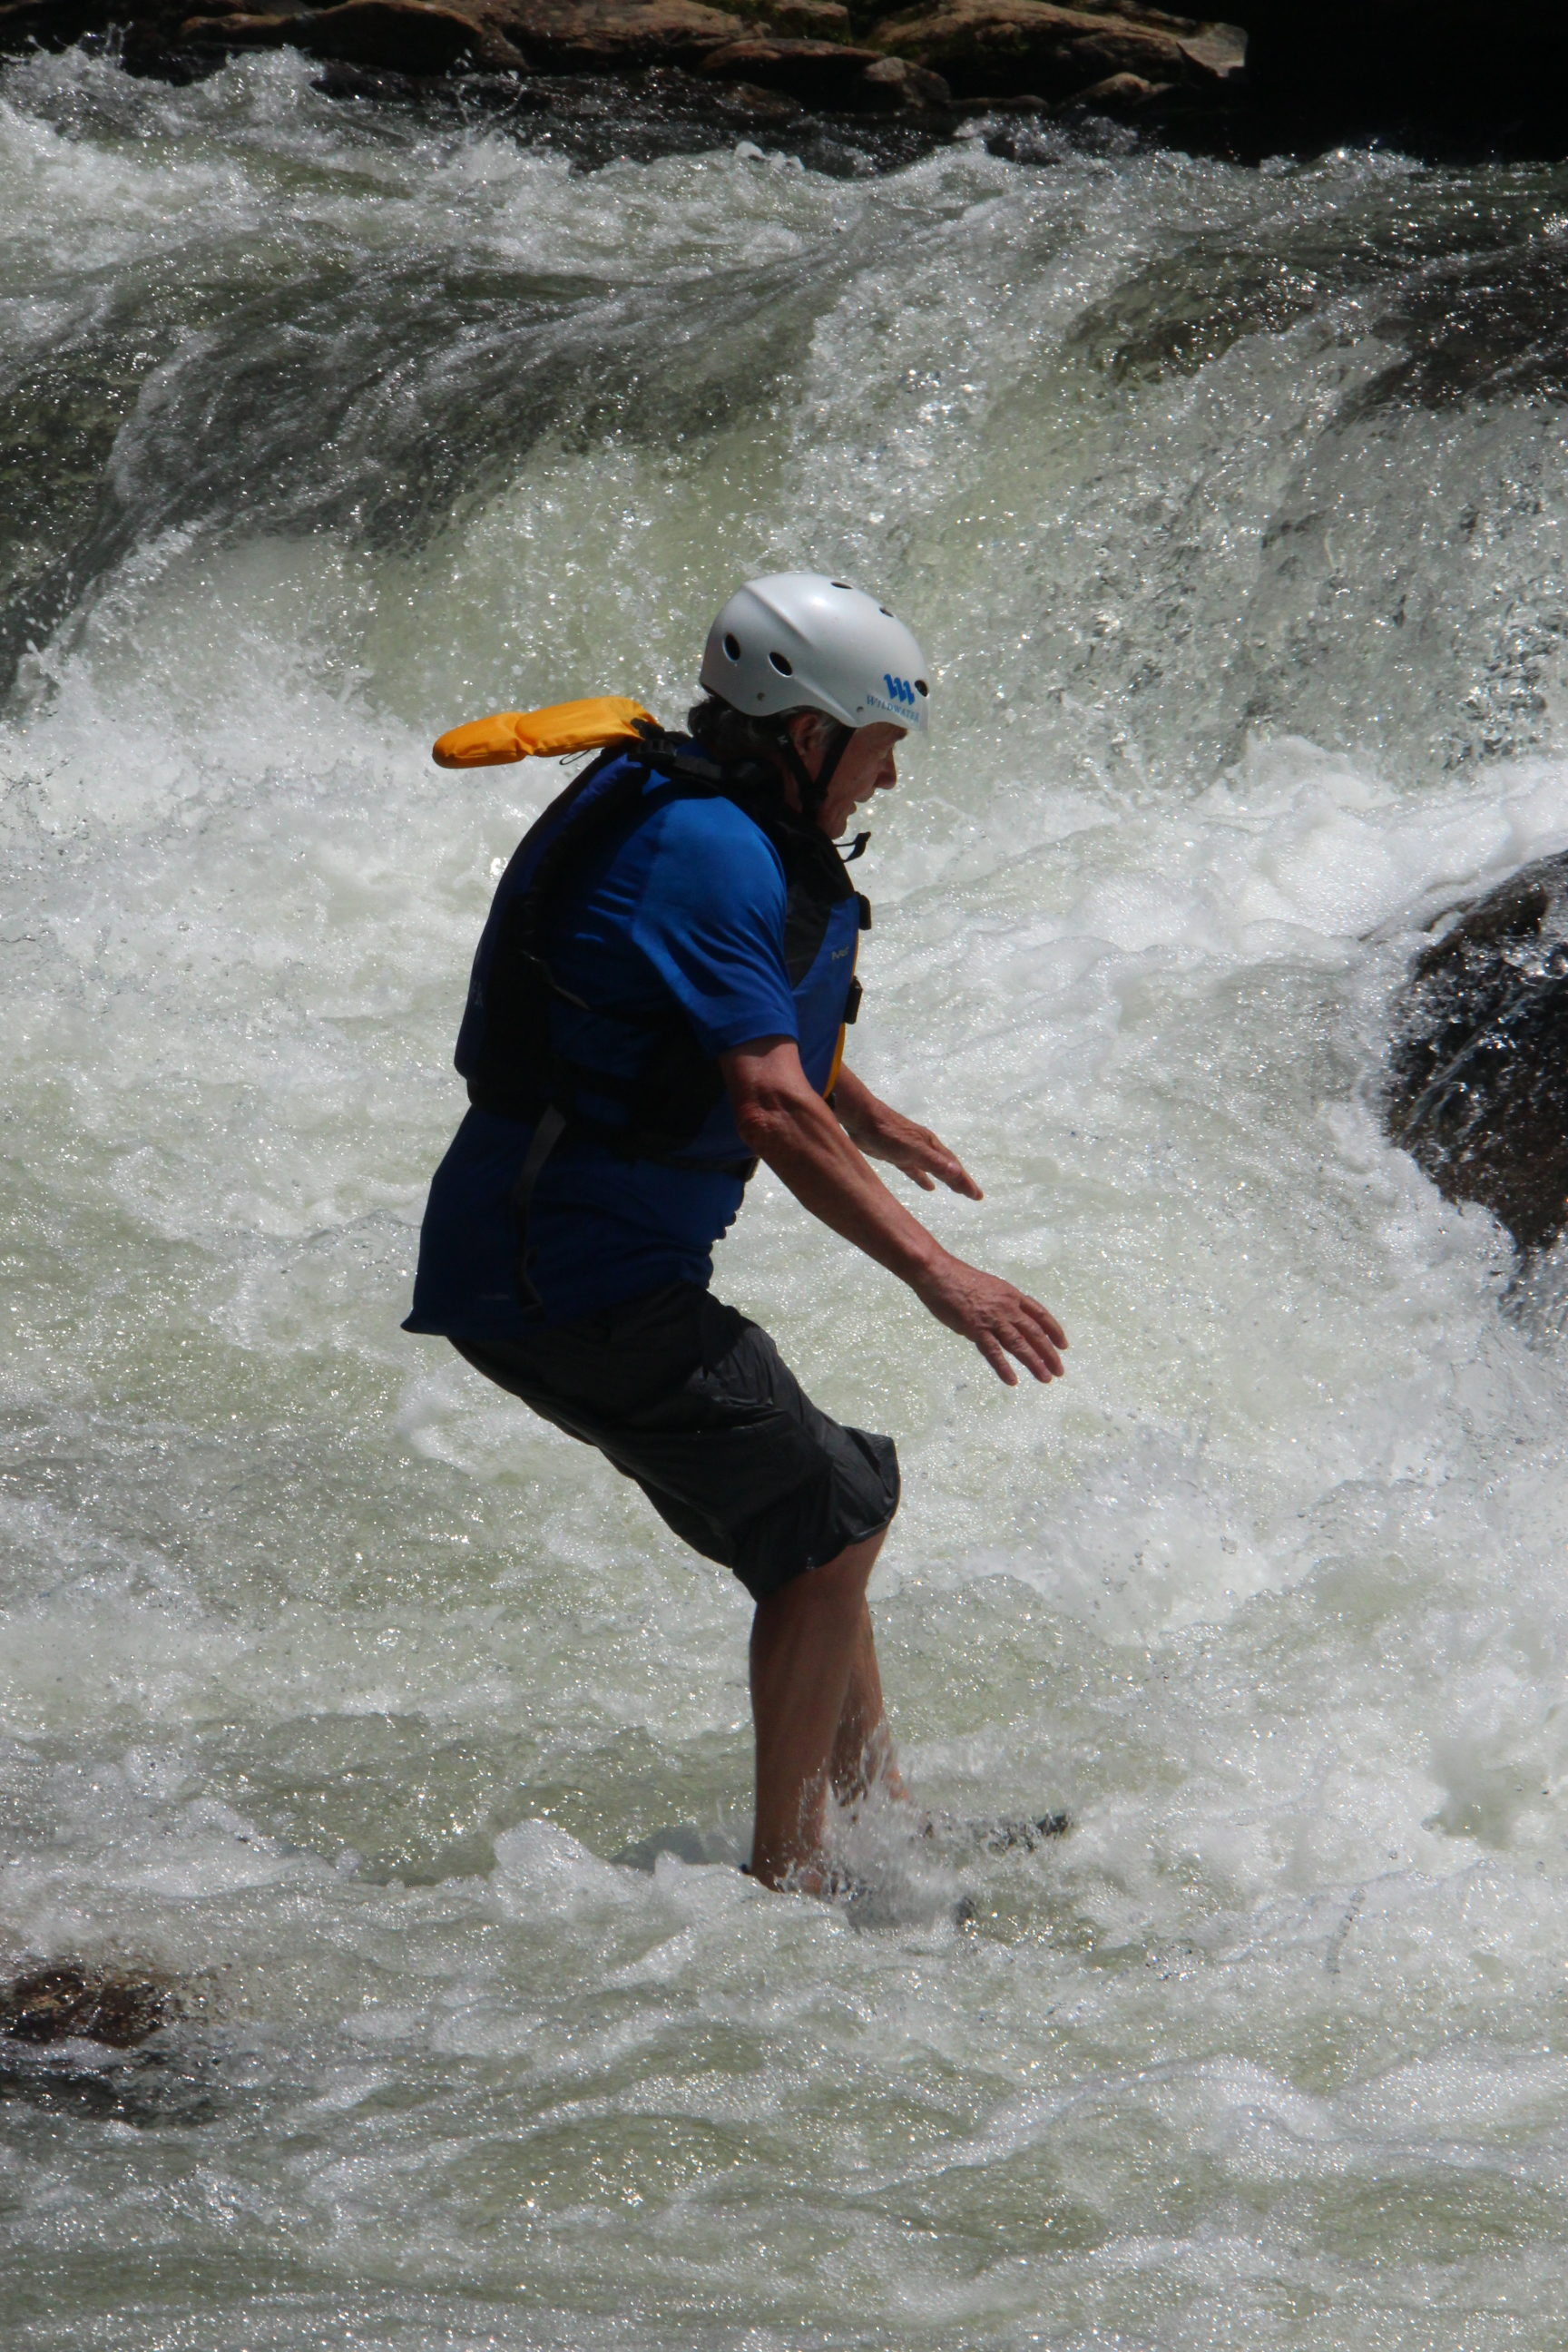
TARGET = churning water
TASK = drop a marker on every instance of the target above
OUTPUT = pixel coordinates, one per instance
(1232, 509)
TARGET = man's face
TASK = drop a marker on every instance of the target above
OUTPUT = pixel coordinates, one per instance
(867, 767)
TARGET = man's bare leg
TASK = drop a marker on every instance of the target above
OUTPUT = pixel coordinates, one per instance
(863, 1756)
(816, 1702)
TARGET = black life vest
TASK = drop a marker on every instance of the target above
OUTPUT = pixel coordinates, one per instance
(507, 1049)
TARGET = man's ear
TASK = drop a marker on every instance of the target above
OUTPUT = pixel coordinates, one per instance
(808, 731)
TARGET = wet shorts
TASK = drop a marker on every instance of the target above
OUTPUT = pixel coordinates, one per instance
(696, 1403)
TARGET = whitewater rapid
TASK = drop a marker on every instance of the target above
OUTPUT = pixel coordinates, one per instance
(1230, 508)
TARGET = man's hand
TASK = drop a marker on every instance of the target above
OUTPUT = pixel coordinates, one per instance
(784, 1121)
(883, 1133)
(1001, 1321)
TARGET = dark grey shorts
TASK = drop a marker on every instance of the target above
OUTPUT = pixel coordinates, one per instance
(696, 1403)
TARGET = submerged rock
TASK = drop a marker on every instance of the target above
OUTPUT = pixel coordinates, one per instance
(67, 2001)
(1478, 1087)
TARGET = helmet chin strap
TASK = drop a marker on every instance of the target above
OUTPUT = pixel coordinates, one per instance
(813, 789)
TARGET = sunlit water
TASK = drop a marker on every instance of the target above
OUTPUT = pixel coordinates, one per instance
(1231, 509)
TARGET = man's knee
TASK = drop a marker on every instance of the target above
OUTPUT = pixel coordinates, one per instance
(835, 1589)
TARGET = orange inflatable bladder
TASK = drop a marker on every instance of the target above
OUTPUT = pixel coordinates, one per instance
(565, 727)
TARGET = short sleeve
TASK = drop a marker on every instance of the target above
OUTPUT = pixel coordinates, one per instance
(711, 920)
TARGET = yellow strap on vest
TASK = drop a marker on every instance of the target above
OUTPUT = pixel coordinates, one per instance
(589, 726)
(843, 1045)
(838, 1053)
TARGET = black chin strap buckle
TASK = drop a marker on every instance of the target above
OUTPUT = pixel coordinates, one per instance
(857, 848)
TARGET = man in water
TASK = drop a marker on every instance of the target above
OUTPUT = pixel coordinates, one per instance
(659, 1001)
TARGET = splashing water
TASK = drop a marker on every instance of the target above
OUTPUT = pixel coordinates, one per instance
(1231, 509)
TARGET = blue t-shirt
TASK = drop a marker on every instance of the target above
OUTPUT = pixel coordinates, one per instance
(688, 910)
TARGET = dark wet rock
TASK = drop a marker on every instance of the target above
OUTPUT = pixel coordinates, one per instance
(1478, 1085)
(559, 37)
(238, 30)
(895, 86)
(998, 46)
(804, 20)
(769, 106)
(82, 2083)
(68, 2000)
(828, 74)
(594, 119)
(411, 37)
(405, 36)
(1123, 96)
(87, 2044)
(816, 73)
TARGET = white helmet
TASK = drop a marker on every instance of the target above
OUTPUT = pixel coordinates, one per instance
(799, 641)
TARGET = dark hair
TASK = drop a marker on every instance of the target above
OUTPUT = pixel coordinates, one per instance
(733, 736)
(730, 735)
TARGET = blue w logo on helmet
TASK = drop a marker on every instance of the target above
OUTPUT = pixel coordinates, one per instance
(898, 687)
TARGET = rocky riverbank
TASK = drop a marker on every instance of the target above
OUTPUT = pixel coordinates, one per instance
(870, 58)
(1437, 75)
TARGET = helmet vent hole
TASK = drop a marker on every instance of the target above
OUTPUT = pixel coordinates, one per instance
(732, 645)
(786, 668)
(921, 686)
(845, 585)
(884, 612)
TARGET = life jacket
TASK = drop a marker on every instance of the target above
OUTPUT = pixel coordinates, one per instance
(508, 1047)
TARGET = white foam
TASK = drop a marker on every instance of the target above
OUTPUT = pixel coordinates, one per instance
(333, 1681)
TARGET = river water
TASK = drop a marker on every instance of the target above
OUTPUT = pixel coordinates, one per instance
(1230, 508)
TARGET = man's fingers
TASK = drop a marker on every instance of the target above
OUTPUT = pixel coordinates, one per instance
(1044, 1363)
(950, 1168)
(923, 1155)
(995, 1356)
(1047, 1322)
(1023, 1339)
(1038, 1358)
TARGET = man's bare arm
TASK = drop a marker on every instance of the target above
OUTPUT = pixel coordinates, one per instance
(784, 1121)
(884, 1133)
